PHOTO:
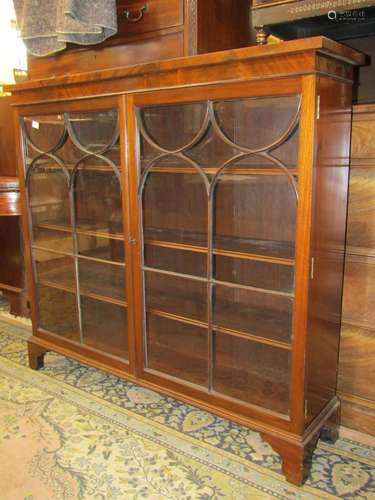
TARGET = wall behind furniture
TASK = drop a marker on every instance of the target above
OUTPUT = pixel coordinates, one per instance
(7, 140)
(357, 351)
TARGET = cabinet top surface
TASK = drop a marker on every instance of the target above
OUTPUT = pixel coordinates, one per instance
(8, 183)
(253, 54)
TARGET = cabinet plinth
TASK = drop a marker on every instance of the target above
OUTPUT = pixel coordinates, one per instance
(185, 229)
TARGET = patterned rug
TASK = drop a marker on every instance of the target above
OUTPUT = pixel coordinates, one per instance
(73, 432)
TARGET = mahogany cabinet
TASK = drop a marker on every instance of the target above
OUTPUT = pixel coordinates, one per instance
(186, 229)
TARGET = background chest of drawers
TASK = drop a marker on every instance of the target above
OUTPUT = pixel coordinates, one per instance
(151, 30)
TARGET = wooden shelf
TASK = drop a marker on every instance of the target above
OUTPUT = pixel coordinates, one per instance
(81, 167)
(279, 252)
(238, 286)
(232, 171)
(80, 230)
(249, 386)
(46, 281)
(256, 324)
(90, 255)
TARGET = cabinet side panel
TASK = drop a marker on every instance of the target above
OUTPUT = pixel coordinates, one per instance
(328, 244)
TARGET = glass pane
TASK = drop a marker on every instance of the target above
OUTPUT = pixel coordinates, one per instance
(104, 326)
(49, 195)
(101, 248)
(211, 150)
(58, 312)
(262, 215)
(288, 151)
(69, 153)
(251, 372)
(94, 131)
(55, 240)
(175, 208)
(46, 132)
(178, 261)
(177, 349)
(103, 279)
(98, 201)
(258, 274)
(147, 152)
(262, 314)
(173, 126)
(54, 268)
(184, 297)
(256, 123)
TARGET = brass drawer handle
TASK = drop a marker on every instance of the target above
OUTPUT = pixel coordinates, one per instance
(135, 19)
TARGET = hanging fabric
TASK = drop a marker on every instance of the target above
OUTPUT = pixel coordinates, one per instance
(47, 26)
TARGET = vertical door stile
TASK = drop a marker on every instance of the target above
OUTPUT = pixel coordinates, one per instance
(210, 286)
(133, 241)
(124, 146)
(26, 220)
(303, 251)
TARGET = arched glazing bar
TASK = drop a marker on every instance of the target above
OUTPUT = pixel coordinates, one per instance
(163, 156)
(75, 139)
(186, 147)
(242, 156)
(268, 147)
(104, 159)
(59, 144)
(52, 157)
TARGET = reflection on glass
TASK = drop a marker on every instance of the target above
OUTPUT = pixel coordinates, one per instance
(69, 153)
(175, 295)
(104, 327)
(101, 278)
(255, 373)
(258, 274)
(175, 208)
(98, 201)
(60, 241)
(247, 311)
(177, 349)
(211, 150)
(177, 261)
(99, 247)
(45, 132)
(262, 218)
(49, 195)
(94, 132)
(57, 312)
(55, 269)
(174, 126)
(256, 123)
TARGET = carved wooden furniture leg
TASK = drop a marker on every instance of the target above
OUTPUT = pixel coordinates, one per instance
(296, 457)
(36, 355)
(330, 431)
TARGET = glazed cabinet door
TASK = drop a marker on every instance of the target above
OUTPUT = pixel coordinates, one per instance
(74, 189)
(217, 187)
